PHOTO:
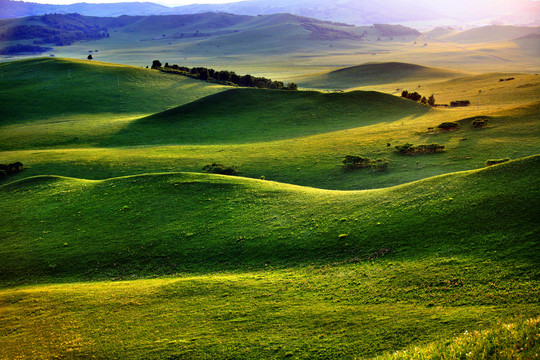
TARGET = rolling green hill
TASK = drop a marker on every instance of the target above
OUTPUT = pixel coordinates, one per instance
(376, 74)
(293, 137)
(60, 88)
(62, 228)
(238, 116)
(340, 274)
(115, 245)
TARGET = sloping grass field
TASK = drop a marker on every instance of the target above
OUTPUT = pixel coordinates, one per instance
(116, 245)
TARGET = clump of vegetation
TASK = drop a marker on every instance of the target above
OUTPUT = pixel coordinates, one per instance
(410, 149)
(220, 169)
(507, 79)
(458, 103)
(449, 126)
(414, 96)
(496, 161)
(351, 162)
(224, 77)
(10, 169)
(480, 122)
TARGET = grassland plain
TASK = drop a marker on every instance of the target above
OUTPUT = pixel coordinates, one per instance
(329, 273)
(165, 264)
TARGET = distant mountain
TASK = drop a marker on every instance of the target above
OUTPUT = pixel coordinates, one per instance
(16, 9)
(265, 32)
(522, 12)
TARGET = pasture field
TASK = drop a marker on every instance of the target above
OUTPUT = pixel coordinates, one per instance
(116, 244)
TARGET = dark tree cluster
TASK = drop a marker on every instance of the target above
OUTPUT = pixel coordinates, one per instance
(220, 169)
(448, 126)
(414, 96)
(10, 169)
(459, 103)
(223, 77)
(57, 29)
(410, 149)
(352, 162)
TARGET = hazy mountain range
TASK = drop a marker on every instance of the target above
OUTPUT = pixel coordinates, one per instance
(517, 12)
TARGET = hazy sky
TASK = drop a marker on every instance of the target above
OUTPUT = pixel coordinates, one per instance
(164, 2)
(188, 2)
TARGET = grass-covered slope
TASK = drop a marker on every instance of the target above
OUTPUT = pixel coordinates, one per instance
(60, 228)
(317, 274)
(251, 115)
(376, 74)
(45, 88)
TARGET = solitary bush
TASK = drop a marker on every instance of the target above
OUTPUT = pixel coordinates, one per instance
(496, 161)
(449, 126)
(480, 122)
(410, 149)
(352, 162)
(405, 148)
(10, 169)
(220, 169)
(458, 103)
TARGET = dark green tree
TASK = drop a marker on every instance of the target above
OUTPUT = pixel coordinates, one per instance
(90, 57)
(156, 64)
(431, 100)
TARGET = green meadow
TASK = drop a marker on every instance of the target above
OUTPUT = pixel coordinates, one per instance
(116, 243)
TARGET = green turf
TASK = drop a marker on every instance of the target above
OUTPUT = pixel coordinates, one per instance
(285, 271)
(116, 246)
(58, 89)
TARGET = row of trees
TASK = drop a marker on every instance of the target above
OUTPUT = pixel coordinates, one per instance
(417, 97)
(224, 77)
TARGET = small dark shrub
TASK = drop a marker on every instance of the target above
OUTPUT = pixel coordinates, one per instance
(449, 126)
(10, 169)
(356, 162)
(352, 162)
(410, 149)
(496, 161)
(220, 169)
(479, 123)
(405, 148)
(429, 148)
(460, 103)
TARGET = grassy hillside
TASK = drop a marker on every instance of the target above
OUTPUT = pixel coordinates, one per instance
(377, 74)
(79, 228)
(115, 245)
(62, 88)
(293, 137)
(316, 274)
(251, 115)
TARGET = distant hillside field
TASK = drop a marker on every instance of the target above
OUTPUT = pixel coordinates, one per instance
(376, 74)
